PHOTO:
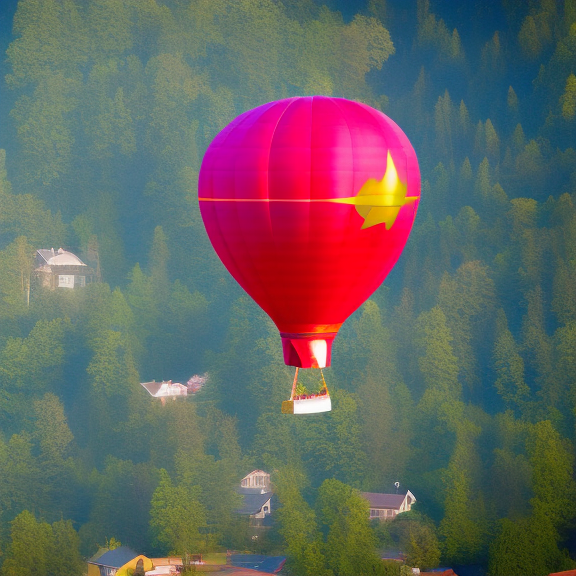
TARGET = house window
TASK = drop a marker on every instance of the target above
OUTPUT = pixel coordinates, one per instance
(245, 482)
(66, 281)
(376, 513)
(80, 281)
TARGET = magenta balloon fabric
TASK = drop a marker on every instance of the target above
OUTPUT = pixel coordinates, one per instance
(298, 199)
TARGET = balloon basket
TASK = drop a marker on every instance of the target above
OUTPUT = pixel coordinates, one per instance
(307, 403)
(314, 405)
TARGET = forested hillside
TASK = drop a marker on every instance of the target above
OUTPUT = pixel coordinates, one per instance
(458, 377)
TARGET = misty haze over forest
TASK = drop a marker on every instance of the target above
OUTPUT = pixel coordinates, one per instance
(456, 379)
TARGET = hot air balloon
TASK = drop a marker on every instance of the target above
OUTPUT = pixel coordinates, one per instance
(308, 202)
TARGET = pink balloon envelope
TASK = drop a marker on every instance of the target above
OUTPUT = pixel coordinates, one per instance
(308, 202)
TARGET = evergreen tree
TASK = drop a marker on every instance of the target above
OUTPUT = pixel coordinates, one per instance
(553, 484)
(518, 138)
(528, 38)
(438, 365)
(463, 529)
(568, 99)
(512, 100)
(509, 367)
(492, 141)
(467, 300)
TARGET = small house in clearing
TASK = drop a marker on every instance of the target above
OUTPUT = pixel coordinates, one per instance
(61, 269)
(165, 390)
(388, 506)
(256, 497)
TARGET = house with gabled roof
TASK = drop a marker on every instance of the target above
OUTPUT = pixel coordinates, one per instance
(256, 479)
(256, 495)
(388, 506)
(121, 561)
(61, 269)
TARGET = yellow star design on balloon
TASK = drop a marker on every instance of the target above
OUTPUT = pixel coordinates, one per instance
(379, 201)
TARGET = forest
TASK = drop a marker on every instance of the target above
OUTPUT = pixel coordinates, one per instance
(456, 379)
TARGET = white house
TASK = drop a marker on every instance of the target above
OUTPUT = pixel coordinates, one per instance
(256, 497)
(256, 479)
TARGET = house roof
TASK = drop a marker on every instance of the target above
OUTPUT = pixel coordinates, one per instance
(447, 572)
(266, 564)
(389, 501)
(115, 558)
(392, 555)
(101, 552)
(256, 472)
(162, 389)
(252, 490)
(59, 258)
(253, 500)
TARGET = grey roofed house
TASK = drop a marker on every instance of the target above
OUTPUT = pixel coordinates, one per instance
(114, 558)
(256, 502)
(377, 500)
(387, 506)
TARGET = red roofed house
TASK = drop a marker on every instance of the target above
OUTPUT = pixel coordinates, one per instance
(447, 572)
(388, 506)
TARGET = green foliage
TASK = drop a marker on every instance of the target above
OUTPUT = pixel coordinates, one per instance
(176, 516)
(457, 379)
(416, 535)
(298, 525)
(438, 364)
(568, 99)
(526, 547)
(38, 549)
(552, 481)
(122, 495)
(509, 367)
(67, 561)
(343, 514)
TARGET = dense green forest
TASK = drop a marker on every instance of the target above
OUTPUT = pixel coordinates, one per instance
(458, 377)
